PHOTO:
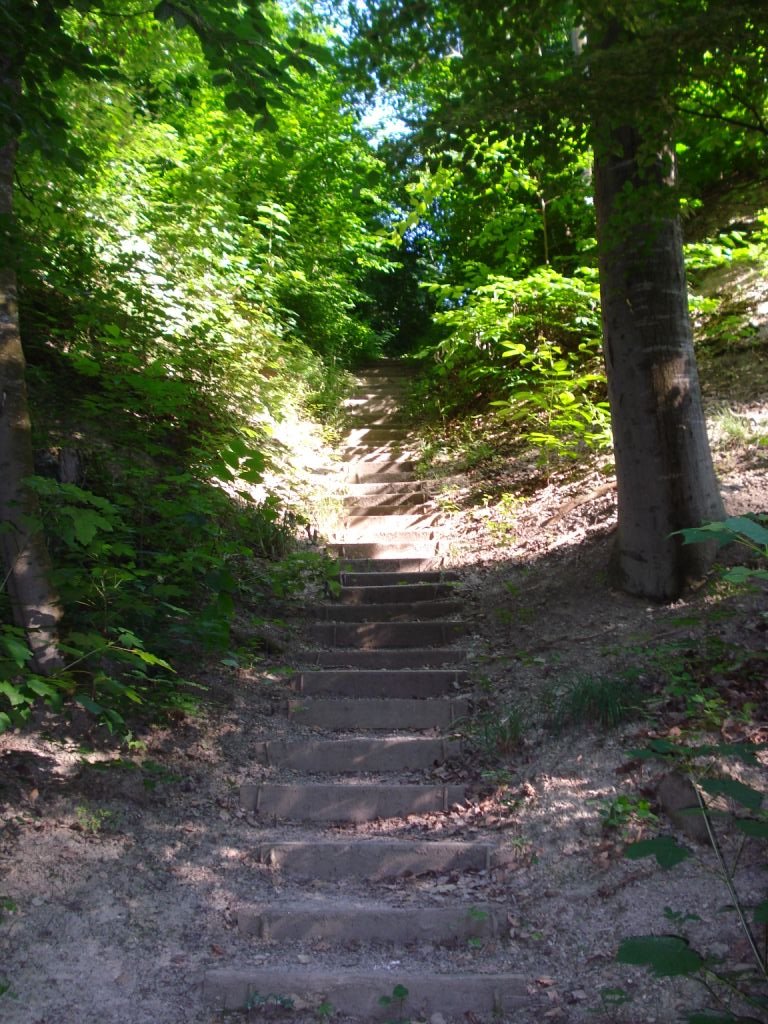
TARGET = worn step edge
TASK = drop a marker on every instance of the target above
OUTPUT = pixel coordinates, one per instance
(384, 487)
(336, 802)
(416, 555)
(359, 992)
(398, 593)
(370, 635)
(381, 475)
(372, 923)
(420, 538)
(369, 435)
(358, 754)
(371, 507)
(396, 579)
(388, 714)
(394, 522)
(399, 566)
(376, 860)
(386, 658)
(386, 683)
(390, 612)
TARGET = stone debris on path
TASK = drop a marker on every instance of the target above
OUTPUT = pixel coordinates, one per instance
(383, 682)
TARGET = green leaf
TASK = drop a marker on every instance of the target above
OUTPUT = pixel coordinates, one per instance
(751, 529)
(761, 913)
(87, 523)
(744, 795)
(41, 687)
(13, 694)
(17, 649)
(150, 659)
(667, 956)
(88, 704)
(665, 849)
(754, 827)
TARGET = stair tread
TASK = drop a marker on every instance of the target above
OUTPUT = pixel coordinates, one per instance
(383, 690)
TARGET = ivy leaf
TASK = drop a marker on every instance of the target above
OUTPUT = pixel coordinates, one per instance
(665, 849)
(667, 956)
(745, 795)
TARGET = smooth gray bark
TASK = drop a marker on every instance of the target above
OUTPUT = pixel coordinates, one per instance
(666, 480)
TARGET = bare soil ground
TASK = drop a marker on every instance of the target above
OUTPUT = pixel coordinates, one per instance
(121, 871)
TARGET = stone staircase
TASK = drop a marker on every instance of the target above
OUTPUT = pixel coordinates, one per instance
(370, 721)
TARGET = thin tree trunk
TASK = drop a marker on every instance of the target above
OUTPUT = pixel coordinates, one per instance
(26, 564)
(665, 476)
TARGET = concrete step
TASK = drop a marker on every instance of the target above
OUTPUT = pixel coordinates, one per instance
(371, 436)
(395, 579)
(415, 503)
(382, 468)
(389, 612)
(393, 658)
(358, 993)
(389, 367)
(368, 566)
(371, 635)
(355, 804)
(382, 714)
(356, 754)
(378, 860)
(385, 525)
(369, 534)
(360, 472)
(374, 384)
(368, 404)
(403, 593)
(382, 456)
(372, 923)
(417, 552)
(360, 418)
(413, 683)
(371, 487)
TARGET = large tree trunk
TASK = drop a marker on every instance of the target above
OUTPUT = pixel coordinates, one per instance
(26, 565)
(665, 476)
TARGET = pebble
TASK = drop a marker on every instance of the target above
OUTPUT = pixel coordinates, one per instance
(437, 1018)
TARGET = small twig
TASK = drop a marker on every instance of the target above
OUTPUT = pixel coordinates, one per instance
(580, 499)
(726, 875)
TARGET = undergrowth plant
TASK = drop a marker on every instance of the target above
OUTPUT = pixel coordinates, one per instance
(151, 571)
(529, 348)
(596, 700)
(749, 532)
(730, 809)
(396, 1003)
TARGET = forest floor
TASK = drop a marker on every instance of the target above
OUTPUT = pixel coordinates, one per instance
(121, 872)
